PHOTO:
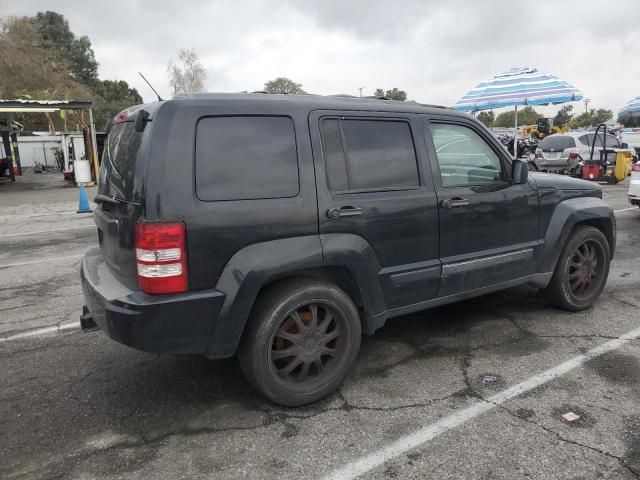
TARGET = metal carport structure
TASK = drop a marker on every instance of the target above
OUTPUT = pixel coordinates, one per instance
(50, 106)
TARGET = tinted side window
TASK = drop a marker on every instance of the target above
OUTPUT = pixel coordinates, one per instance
(611, 140)
(368, 154)
(464, 156)
(241, 158)
(334, 158)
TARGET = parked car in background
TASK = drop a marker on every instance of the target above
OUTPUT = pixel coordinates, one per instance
(632, 139)
(565, 152)
(634, 185)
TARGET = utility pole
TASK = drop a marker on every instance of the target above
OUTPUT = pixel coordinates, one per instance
(586, 105)
(361, 88)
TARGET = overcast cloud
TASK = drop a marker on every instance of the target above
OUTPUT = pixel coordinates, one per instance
(435, 50)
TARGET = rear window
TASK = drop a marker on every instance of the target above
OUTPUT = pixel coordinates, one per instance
(368, 154)
(244, 158)
(556, 143)
(117, 169)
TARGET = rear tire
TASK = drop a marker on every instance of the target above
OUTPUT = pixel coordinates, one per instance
(581, 272)
(301, 342)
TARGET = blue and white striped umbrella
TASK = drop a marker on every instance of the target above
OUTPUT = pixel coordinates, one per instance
(631, 109)
(518, 86)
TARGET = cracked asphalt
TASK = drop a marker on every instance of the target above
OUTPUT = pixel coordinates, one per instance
(77, 405)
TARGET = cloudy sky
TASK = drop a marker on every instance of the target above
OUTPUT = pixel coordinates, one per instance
(435, 50)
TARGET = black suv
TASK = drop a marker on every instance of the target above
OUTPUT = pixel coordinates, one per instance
(281, 228)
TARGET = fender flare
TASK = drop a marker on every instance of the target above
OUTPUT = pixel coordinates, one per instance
(358, 256)
(245, 273)
(567, 215)
(256, 265)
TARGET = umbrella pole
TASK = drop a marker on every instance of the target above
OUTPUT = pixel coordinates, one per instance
(515, 136)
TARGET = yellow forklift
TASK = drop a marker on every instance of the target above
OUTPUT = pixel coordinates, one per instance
(543, 128)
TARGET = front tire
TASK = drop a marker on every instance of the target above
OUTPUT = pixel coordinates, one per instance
(581, 272)
(302, 341)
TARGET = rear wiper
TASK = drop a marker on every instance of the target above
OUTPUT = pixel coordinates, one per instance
(101, 198)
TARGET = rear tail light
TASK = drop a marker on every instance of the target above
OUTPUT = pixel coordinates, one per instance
(636, 167)
(161, 257)
(538, 153)
(574, 154)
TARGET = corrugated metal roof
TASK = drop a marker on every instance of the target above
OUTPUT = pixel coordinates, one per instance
(28, 103)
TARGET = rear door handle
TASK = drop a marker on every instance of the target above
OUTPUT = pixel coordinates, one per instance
(454, 202)
(344, 212)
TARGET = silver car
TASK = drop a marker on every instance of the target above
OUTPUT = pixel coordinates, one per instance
(565, 152)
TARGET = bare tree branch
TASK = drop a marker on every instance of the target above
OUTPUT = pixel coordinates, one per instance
(188, 75)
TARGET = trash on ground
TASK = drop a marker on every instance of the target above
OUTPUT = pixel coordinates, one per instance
(570, 417)
(489, 380)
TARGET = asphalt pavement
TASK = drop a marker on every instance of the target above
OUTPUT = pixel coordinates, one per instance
(475, 390)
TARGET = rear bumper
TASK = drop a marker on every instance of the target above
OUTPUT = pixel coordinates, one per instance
(561, 163)
(177, 323)
(634, 189)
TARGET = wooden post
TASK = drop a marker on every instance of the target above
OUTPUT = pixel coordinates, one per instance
(94, 146)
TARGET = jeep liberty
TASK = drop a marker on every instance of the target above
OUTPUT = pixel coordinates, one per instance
(280, 228)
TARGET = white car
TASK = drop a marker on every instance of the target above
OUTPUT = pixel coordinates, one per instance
(634, 185)
(632, 139)
(565, 152)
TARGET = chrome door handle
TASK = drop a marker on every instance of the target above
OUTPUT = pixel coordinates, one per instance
(344, 212)
(454, 202)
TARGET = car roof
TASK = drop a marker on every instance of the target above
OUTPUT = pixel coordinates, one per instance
(575, 134)
(315, 102)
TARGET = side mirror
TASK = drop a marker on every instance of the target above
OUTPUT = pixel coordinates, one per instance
(624, 145)
(519, 172)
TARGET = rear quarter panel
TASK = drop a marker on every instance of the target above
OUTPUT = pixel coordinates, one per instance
(216, 230)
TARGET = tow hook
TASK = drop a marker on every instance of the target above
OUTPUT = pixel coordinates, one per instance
(87, 323)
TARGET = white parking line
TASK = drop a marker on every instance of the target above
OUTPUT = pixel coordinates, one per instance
(367, 463)
(625, 209)
(43, 214)
(31, 262)
(42, 331)
(38, 232)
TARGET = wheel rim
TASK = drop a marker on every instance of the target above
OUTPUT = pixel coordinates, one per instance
(308, 346)
(586, 269)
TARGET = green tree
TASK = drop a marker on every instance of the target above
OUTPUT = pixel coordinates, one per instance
(393, 94)
(77, 52)
(28, 67)
(283, 85)
(592, 118)
(526, 116)
(32, 68)
(563, 116)
(488, 118)
(112, 97)
(602, 115)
